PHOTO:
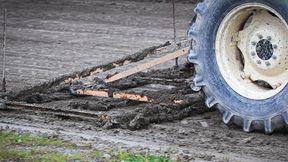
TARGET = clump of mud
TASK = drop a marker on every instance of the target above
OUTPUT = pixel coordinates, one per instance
(126, 114)
(144, 115)
(173, 103)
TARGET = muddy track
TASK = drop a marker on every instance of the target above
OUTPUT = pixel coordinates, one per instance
(187, 131)
(48, 39)
(83, 73)
(112, 113)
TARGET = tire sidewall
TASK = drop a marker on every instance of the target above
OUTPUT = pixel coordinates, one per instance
(231, 100)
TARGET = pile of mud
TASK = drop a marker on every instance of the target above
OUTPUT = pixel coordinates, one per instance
(174, 99)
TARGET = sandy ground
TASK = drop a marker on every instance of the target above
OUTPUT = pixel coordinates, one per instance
(50, 38)
(47, 39)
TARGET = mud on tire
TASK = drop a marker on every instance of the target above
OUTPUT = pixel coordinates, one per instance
(266, 114)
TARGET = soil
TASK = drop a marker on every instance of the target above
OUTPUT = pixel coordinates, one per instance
(47, 39)
(188, 131)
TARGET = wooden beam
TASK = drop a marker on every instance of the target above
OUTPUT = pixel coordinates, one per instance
(134, 97)
(161, 60)
(118, 95)
(88, 92)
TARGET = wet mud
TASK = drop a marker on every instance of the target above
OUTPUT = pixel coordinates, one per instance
(176, 124)
(188, 131)
(126, 114)
(59, 83)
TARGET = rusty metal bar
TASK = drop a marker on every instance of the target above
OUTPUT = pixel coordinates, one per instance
(174, 21)
(40, 107)
(174, 30)
(4, 52)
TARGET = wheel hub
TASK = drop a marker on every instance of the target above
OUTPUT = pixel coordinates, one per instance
(263, 60)
(264, 49)
(252, 51)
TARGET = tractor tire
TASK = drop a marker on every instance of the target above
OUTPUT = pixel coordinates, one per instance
(240, 52)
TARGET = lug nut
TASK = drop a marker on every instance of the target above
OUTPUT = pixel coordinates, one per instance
(260, 36)
(242, 75)
(191, 33)
(254, 43)
(259, 62)
(267, 63)
(275, 46)
(253, 53)
(274, 57)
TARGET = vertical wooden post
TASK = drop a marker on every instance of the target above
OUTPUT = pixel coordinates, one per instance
(174, 30)
(4, 52)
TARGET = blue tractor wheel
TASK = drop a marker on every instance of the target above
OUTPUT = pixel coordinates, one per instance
(240, 52)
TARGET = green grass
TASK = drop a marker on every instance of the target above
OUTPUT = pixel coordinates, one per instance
(60, 157)
(14, 154)
(38, 156)
(22, 155)
(128, 157)
(14, 139)
(7, 138)
(10, 141)
(96, 154)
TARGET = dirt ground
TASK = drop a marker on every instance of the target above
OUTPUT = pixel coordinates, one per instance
(46, 39)
(188, 131)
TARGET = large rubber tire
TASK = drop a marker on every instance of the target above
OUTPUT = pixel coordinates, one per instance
(267, 114)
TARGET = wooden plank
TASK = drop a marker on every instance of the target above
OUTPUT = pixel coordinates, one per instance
(161, 60)
(117, 95)
(134, 97)
(162, 79)
(99, 93)
(151, 88)
(187, 99)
